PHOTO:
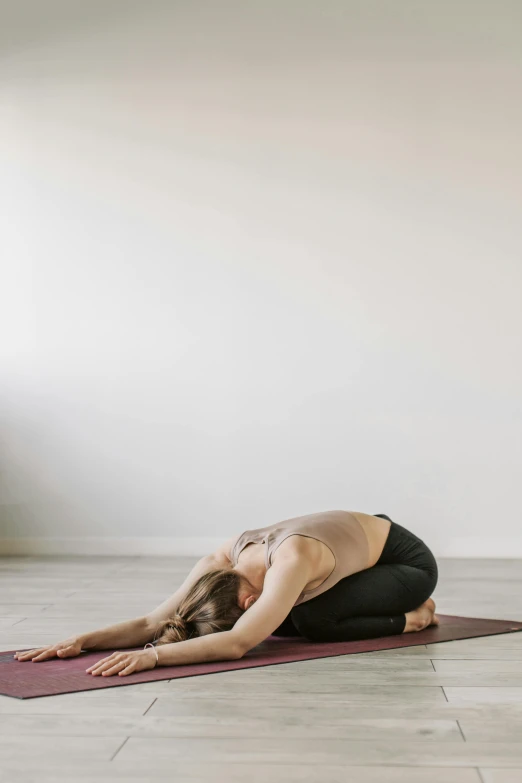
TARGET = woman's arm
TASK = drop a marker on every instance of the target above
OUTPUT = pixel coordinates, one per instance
(129, 633)
(284, 583)
(212, 647)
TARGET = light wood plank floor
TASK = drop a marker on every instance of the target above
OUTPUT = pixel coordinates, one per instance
(443, 712)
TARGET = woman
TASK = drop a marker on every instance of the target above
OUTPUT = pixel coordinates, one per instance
(331, 576)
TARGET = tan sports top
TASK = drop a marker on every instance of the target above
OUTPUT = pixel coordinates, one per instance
(339, 530)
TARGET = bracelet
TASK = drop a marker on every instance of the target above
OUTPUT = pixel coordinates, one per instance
(151, 645)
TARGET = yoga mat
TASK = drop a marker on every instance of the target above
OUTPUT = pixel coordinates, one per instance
(25, 679)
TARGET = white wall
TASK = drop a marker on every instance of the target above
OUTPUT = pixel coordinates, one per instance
(259, 259)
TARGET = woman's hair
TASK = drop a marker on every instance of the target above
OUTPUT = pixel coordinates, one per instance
(210, 606)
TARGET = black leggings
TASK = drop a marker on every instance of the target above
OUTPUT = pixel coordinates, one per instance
(372, 602)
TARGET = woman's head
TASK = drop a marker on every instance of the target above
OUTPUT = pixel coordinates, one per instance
(210, 606)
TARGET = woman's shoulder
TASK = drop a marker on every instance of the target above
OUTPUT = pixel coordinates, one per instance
(223, 553)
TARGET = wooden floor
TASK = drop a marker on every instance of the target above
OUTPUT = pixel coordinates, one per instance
(444, 712)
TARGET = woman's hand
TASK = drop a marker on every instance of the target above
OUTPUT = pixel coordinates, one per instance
(123, 663)
(69, 648)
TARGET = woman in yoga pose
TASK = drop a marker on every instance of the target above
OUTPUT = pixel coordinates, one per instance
(331, 576)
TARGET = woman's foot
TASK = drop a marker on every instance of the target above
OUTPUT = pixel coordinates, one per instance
(421, 617)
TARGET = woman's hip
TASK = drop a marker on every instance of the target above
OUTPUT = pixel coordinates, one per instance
(402, 547)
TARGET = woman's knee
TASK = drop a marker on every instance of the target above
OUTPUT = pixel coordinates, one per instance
(426, 588)
(432, 572)
(431, 568)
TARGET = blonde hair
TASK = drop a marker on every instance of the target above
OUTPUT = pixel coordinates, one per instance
(211, 605)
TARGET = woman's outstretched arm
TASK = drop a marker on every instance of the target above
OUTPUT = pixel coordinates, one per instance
(130, 633)
(212, 647)
(284, 583)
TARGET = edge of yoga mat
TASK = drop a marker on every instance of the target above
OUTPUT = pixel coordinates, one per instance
(22, 680)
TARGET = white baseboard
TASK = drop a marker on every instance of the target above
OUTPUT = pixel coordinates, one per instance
(106, 545)
(464, 547)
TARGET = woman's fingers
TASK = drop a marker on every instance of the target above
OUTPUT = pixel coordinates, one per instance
(25, 654)
(128, 670)
(29, 655)
(108, 670)
(44, 655)
(64, 649)
(100, 663)
(67, 652)
(109, 665)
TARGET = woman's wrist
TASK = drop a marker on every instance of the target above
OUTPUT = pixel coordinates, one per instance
(154, 652)
(86, 641)
(93, 641)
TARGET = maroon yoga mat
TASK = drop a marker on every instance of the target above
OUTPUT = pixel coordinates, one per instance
(25, 679)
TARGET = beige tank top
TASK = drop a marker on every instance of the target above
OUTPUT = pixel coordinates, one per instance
(339, 530)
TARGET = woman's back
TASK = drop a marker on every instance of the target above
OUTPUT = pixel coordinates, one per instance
(376, 530)
(352, 541)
